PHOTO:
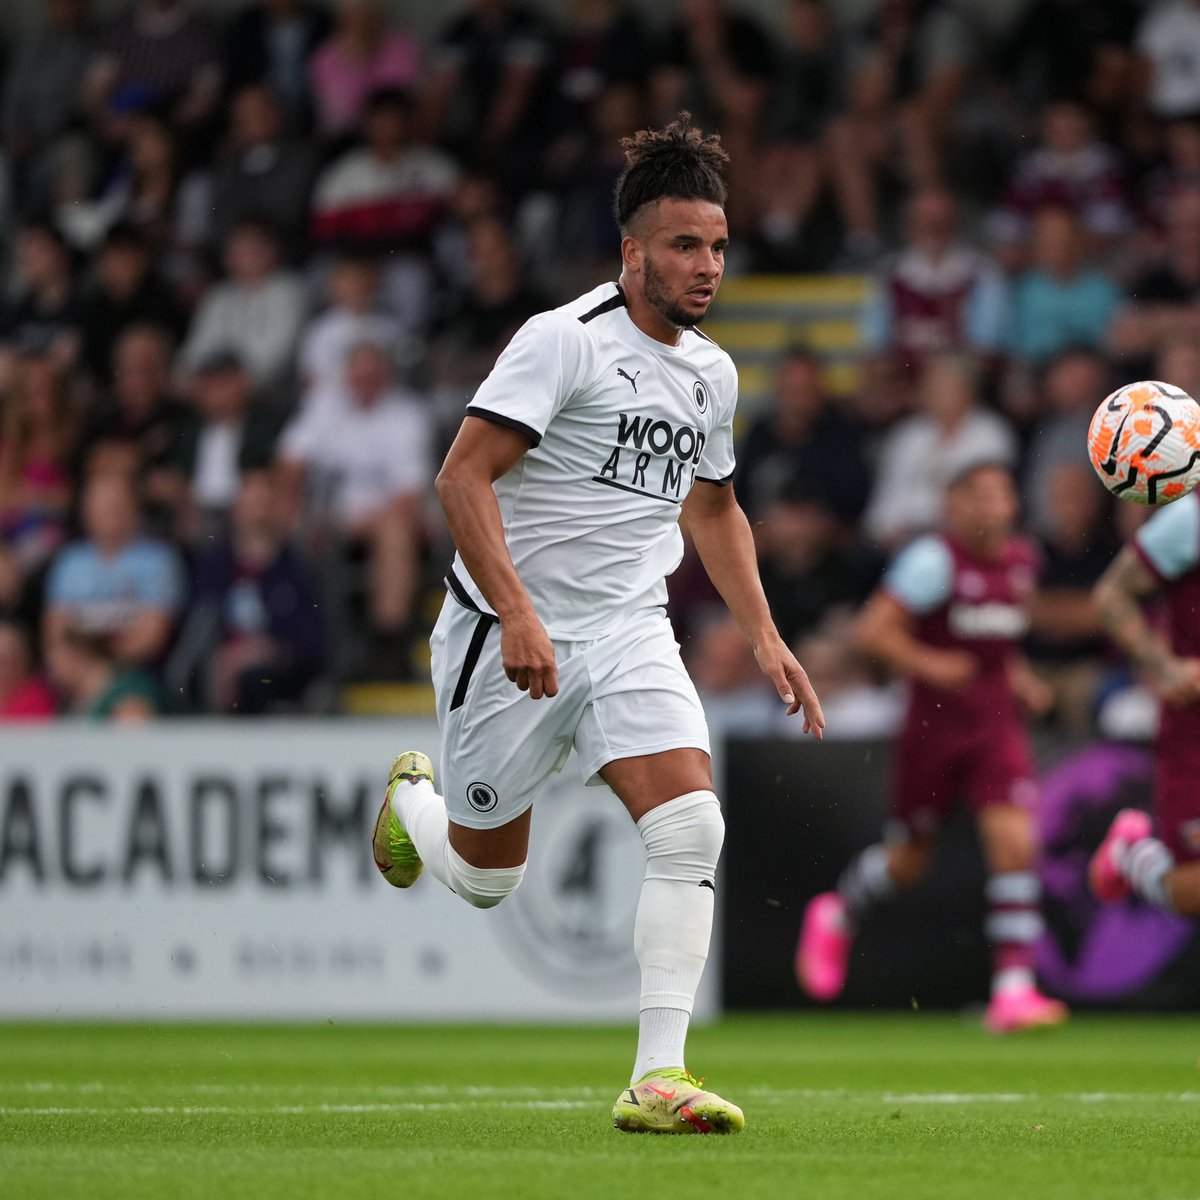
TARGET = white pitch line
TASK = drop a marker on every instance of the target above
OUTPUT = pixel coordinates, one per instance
(282, 1110)
(442, 1098)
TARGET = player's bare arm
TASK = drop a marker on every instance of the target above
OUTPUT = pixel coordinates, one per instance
(726, 547)
(1119, 594)
(1033, 693)
(481, 453)
(884, 630)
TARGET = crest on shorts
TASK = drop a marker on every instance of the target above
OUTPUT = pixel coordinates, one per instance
(482, 797)
(700, 395)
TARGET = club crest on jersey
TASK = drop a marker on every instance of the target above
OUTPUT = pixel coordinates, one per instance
(700, 395)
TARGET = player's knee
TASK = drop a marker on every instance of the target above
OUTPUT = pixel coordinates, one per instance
(1010, 843)
(683, 838)
(482, 887)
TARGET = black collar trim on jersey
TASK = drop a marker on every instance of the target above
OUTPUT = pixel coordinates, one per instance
(613, 302)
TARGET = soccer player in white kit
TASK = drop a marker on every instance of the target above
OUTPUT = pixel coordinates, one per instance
(602, 422)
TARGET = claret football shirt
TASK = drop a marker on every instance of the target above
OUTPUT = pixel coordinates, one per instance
(620, 426)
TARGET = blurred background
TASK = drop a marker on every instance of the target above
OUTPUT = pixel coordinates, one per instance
(256, 256)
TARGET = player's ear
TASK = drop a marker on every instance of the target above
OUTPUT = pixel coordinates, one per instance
(631, 253)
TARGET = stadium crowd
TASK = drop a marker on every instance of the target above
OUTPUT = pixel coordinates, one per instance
(255, 263)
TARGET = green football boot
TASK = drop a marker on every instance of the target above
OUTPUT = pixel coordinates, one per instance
(671, 1101)
(395, 855)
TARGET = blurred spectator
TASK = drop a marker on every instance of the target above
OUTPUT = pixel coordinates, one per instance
(604, 43)
(497, 302)
(1073, 384)
(1179, 172)
(361, 55)
(1071, 168)
(370, 464)
(588, 237)
(729, 681)
(1163, 303)
(37, 432)
(937, 294)
(792, 170)
(41, 93)
(95, 684)
(392, 191)
(224, 433)
(1066, 639)
(908, 70)
(1178, 362)
(480, 193)
(146, 188)
(806, 567)
(1077, 50)
(355, 315)
(116, 583)
(490, 90)
(24, 695)
(158, 56)
(803, 439)
(1059, 301)
(132, 430)
(257, 311)
(1168, 40)
(1067, 642)
(855, 703)
(922, 452)
(719, 65)
(266, 172)
(124, 292)
(264, 599)
(44, 313)
(268, 44)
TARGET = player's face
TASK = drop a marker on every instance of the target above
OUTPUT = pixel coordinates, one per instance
(983, 506)
(681, 258)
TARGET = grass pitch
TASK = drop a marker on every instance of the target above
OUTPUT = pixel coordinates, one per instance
(837, 1106)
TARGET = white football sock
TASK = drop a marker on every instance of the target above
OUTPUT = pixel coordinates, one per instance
(674, 921)
(1146, 864)
(866, 882)
(662, 1033)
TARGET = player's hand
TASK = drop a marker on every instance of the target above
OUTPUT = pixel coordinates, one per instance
(949, 669)
(1178, 683)
(779, 665)
(1033, 693)
(528, 656)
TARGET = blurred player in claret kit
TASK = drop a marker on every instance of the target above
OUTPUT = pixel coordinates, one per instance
(1162, 560)
(600, 424)
(949, 617)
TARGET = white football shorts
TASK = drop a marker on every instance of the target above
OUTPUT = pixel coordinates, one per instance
(623, 695)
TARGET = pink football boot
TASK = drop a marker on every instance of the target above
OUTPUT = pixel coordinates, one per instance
(1023, 1008)
(1105, 879)
(823, 951)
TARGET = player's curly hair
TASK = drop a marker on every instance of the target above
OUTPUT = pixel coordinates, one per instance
(676, 163)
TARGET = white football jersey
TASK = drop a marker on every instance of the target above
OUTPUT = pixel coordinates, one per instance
(621, 426)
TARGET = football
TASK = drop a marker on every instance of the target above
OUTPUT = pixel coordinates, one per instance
(1144, 442)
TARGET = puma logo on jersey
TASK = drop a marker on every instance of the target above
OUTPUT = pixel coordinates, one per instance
(632, 378)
